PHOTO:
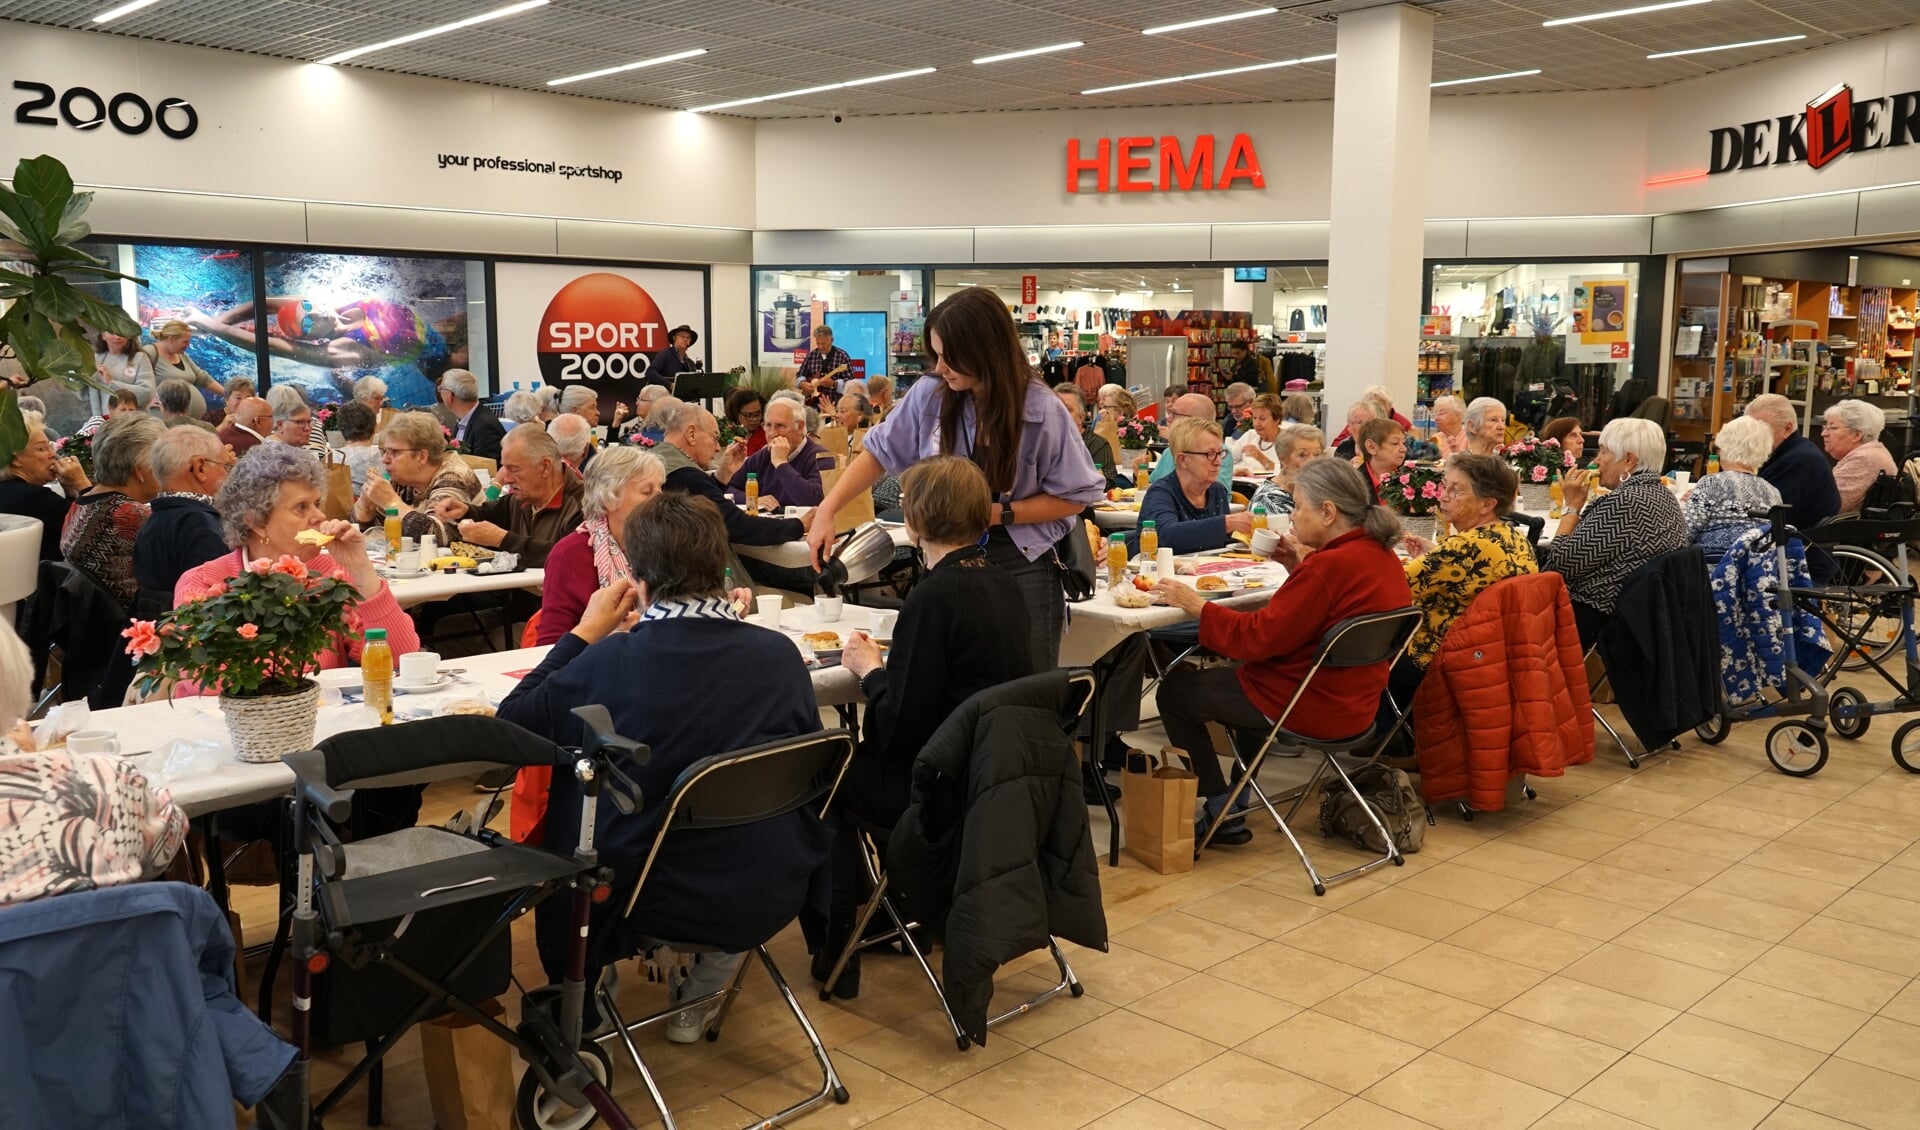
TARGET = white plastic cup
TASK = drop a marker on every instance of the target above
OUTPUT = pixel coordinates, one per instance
(1280, 524)
(93, 741)
(407, 561)
(1163, 563)
(1682, 478)
(769, 608)
(882, 624)
(418, 668)
(1265, 542)
(829, 608)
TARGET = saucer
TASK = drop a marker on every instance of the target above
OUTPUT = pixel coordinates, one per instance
(439, 683)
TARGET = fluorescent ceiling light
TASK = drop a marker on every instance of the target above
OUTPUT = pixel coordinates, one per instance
(1726, 47)
(1486, 78)
(603, 73)
(1248, 14)
(1027, 52)
(470, 21)
(124, 10)
(782, 97)
(1208, 74)
(1624, 12)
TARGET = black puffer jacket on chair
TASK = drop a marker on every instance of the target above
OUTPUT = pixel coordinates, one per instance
(994, 853)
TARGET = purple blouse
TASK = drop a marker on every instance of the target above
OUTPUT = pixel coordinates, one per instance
(1053, 459)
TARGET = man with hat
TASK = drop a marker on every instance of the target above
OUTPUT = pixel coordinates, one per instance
(670, 363)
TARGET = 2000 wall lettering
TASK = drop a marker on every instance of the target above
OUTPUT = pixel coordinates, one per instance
(479, 162)
(84, 108)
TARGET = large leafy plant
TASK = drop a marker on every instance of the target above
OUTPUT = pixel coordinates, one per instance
(47, 316)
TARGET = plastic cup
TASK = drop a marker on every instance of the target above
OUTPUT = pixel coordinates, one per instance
(769, 608)
(829, 608)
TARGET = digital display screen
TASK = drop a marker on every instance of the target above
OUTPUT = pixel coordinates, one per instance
(1249, 274)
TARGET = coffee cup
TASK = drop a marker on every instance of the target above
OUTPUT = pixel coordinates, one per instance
(407, 561)
(829, 608)
(882, 624)
(93, 741)
(1281, 524)
(418, 668)
(1265, 542)
(1682, 478)
(769, 607)
(1163, 563)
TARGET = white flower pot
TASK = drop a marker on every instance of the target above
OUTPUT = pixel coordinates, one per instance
(1536, 497)
(264, 727)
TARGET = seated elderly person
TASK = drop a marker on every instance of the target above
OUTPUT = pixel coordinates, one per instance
(574, 439)
(963, 629)
(372, 392)
(474, 425)
(747, 411)
(1098, 449)
(357, 423)
(24, 481)
(1189, 509)
(644, 405)
(1797, 468)
(544, 506)
(183, 530)
(1292, 448)
(175, 398)
(522, 407)
(1851, 432)
(268, 499)
(421, 475)
(591, 557)
(106, 519)
(851, 411)
(1720, 508)
(1381, 450)
(581, 401)
(1486, 426)
(787, 468)
(1596, 549)
(1340, 563)
(1346, 445)
(728, 887)
(1239, 397)
(1565, 431)
(249, 423)
(880, 395)
(1188, 406)
(1449, 435)
(293, 422)
(1254, 448)
(1301, 409)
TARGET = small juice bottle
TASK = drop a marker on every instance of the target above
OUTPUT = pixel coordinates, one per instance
(1149, 541)
(753, 493)
(1713, 464)
(1558, 493)
(1117, 560)
(393, 530)
(376, 673)
(1259, 517)
(1140, 476)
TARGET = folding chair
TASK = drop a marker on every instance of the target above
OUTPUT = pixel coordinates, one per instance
(399, 910)
(1633, 759)
(730, 790)
(1080, 688)
(1357, 641)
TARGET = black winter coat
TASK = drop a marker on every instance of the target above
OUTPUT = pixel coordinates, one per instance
(994, 854)
(1662, 648)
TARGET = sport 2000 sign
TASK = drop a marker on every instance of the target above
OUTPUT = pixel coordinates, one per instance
(601, 327)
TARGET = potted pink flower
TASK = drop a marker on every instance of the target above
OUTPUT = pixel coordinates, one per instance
(1412, 491)
(1538, 462)
(255, 638)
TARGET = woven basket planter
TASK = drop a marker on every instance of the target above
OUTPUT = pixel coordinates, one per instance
(266, 726)
(1536, 498)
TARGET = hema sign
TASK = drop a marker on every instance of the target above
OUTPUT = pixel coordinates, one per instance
(1115, 161)
(1832, 125)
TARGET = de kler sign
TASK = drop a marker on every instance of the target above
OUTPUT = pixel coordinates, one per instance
(1832, 125)
(1129, 164)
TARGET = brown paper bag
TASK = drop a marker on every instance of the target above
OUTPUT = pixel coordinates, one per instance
(1157, 795)
(338, 501)
(470, 1073)
(857, 510)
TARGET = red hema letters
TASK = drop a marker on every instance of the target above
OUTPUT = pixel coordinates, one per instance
(1116, 162)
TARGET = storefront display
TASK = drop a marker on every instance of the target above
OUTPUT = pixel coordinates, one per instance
(599, 326)
(790, 301)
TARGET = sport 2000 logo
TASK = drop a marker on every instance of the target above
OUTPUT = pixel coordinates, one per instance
(599, 327)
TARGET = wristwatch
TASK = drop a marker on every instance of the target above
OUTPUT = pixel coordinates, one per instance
(1006, 513)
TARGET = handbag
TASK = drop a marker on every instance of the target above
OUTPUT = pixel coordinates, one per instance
(1073, 556)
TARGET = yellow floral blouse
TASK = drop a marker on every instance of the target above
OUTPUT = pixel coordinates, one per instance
(1449, 576)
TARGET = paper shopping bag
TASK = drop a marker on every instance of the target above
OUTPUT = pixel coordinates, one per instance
(1157, 794)
(470, 1073)
(338, 501)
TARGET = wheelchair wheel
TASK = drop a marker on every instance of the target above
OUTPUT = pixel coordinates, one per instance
(1878, 623)
(1714, 730)
(1797, 749)
(1906, 747)
(1848, 728)
(537, 1109)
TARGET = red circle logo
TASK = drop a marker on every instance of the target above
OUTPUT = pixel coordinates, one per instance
(599, 327)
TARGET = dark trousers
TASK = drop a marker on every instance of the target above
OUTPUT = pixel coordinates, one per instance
(875, 794)
(1039, 583)
(1190, 698)
(1588, 620)
(1403, 682)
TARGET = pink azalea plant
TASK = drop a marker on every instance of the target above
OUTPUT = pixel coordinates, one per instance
(1412, 489)
(256, 634)
(1538, 460)
(1137, 434)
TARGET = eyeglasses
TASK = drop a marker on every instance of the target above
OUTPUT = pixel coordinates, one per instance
(224, 463)
(396, 452)
(1214, 456)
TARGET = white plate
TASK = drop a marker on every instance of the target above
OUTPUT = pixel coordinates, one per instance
(396, 575)
(339, 678)
(440, 683)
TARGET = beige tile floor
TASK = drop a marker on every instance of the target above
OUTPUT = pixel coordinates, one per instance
(1703, 944)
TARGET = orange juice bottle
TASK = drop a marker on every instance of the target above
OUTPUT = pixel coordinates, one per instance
(753, 493)
(1259, 518)
(1140, 476)
(1117, 560)
(393, 530)
(1149, 541)
(376, 673)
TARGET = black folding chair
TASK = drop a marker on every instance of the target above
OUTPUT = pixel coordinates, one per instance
(730, 790)
(1081, 685)
(419, 917)
(1357, 641)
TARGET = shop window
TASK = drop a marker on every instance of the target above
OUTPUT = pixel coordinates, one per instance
(878, 316)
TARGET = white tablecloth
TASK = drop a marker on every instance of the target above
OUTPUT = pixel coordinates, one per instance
(1117, 520)
(410, 591)
(795, 555)
(229, 782)
(1096, 625)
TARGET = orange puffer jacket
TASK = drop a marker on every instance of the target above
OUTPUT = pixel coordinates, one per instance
(1506, 694)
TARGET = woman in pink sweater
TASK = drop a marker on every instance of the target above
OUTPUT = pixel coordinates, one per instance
(269, 497)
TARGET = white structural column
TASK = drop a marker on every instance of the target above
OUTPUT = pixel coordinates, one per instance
(1377, 242)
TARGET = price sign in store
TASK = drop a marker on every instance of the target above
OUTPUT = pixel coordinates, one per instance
(1029, 289)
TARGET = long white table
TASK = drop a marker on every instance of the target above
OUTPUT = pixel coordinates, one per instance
(432, 586)
(1127, 516)
(1096, 625)
(229, 782)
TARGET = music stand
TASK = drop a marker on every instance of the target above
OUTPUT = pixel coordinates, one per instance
(700, 387)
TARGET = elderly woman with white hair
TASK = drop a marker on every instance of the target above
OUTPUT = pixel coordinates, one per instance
(522, 407)
(1720, 508)
(1485, 426)
(293, 422)
(1851, 432)
(421, 475)
(106, 520)
(1597, 547)
(1449, 420)
(591, 557)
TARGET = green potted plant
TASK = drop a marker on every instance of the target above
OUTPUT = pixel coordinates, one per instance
(255, 638)
(47, 316)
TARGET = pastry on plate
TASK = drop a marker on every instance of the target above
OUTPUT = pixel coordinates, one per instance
(821, 641)
(1212, 582)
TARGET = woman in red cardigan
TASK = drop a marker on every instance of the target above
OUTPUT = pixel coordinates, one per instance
(269, 497)
(1340, 563)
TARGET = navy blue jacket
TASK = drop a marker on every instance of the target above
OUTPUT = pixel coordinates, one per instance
(678, 687)
(182, 533)
(1804, 477)
(1181, 527)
